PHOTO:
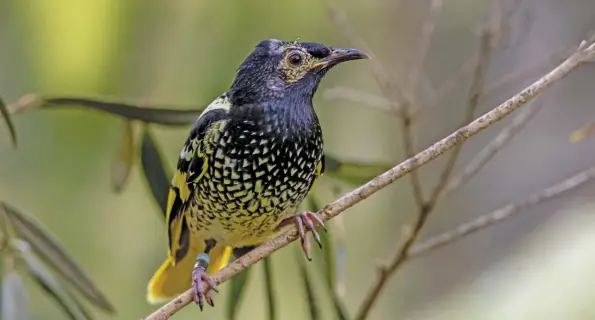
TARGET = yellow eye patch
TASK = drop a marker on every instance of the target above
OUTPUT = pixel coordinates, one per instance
(296, 63)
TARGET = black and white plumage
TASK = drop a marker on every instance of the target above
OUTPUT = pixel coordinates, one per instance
(250, 159)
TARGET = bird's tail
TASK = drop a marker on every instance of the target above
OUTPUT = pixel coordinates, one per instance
(171, 279)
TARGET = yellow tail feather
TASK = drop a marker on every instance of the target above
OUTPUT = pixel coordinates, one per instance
(171, 280)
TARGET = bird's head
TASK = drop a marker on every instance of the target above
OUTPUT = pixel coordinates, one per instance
(280, 69)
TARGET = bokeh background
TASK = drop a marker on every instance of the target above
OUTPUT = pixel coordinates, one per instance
(537, 265)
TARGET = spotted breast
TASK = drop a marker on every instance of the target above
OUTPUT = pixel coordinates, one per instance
(260, 166)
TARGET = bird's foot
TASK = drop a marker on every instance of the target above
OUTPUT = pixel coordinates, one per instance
(199, 279)
(305, 220)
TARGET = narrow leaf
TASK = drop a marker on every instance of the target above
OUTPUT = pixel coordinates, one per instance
(14, 296)
(328, 247)
(154, 169)
(333, 251)
(309, 289)
(7, 119)
(237, 287)
(339, 305)
(164, 116)
(583, 132)
(48, 283)
(124, 159)
(270, 290)
(52, 253)
(353, 172)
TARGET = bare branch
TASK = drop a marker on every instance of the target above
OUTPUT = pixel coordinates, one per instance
(501, 214)
(410, 102)
(395, 97)
(361, 97)
(493, 147)
(427, 31)
(446, 88)
(475, 92)
(400, 100)
(451, 83)
(533, 68)
(586, 53)
(27, 101)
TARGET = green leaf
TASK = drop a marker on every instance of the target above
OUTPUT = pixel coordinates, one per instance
(48, 283)
(353, 172)
(154, 169)
(7, 119)
(237, 287)
(308, 287)
(52, 253)
(164, 116)
(270, 290)
(339, 305)
(14, 296)
(583, 132)
(333, 250)
(328, 246)
(124, 159)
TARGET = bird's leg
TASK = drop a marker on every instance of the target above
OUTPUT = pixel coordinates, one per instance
(305, 220)
(200, 277)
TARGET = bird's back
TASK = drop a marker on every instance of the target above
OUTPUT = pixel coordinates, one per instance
(262, 160)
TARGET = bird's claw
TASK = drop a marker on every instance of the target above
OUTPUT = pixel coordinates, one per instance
(199, 278)
(306, 221)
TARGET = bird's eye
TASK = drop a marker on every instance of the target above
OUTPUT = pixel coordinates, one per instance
(295, 59)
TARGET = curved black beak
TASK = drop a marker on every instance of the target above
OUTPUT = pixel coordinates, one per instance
(339, 55)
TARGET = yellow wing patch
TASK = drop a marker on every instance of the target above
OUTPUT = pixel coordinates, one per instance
(193, 163)
(179, 181)
(320, 167)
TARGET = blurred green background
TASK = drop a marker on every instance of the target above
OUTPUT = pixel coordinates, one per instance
(185, 53)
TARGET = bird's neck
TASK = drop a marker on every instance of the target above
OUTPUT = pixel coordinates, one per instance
(289, 117)
(296, 113)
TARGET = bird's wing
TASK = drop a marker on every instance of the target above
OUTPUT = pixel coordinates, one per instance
(192, 164)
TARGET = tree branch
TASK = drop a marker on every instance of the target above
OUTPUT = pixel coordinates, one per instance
(25, 102)
(583, 54)
(488, 42)
(475, 92)
(427, 31)
(493, 147)
(501, 214)
(357, 96)
(399, 100)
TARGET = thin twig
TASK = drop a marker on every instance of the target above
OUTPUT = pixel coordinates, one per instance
(534, 67)
(493, 147)
(475, 92)
(449, 85)
(385, 82)
(400, 100)
(426, 208)
(488, 42)
(357, 96)
(410, 102)
(501, 214)
(584, 54)
(419, 56)
(25, 102)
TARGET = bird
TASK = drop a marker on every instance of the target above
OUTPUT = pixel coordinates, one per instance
(250, 159)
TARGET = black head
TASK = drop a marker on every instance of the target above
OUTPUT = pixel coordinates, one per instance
(278, 69)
